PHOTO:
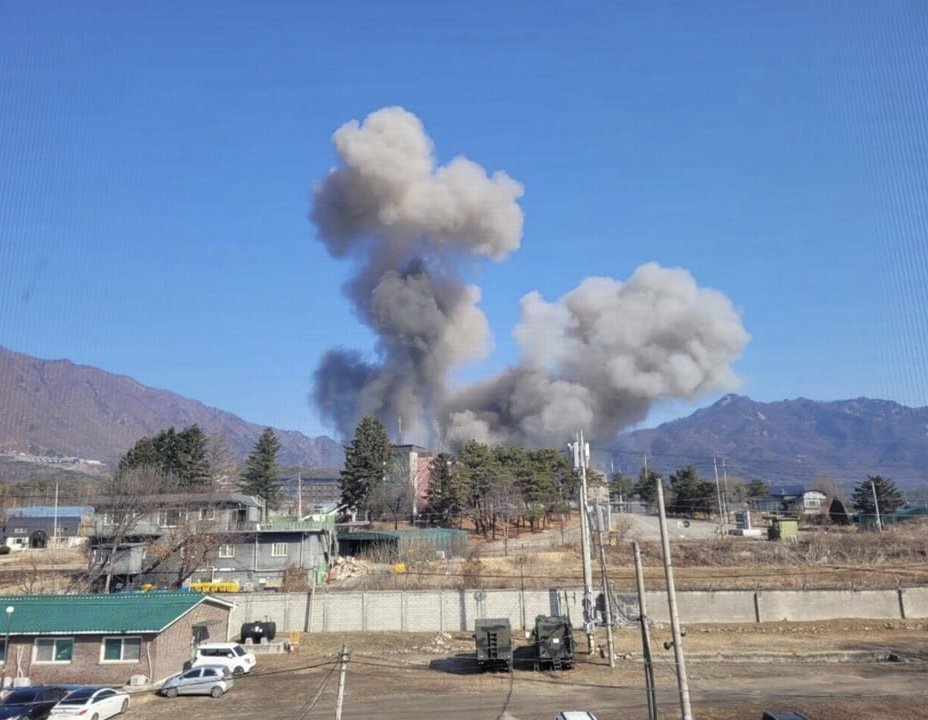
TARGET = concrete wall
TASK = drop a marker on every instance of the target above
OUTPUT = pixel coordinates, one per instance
(456, 610)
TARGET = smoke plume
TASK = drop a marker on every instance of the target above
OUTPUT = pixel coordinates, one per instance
(595, 359)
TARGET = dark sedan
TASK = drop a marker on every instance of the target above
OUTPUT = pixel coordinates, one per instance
(31, 703)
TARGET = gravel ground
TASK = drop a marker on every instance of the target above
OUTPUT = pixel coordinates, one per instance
(826, 670)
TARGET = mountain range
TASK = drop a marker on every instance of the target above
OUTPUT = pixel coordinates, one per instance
(791, 442)
(55, 408)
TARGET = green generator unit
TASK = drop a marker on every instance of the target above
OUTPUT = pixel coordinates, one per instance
(554, 642)
(493, 638)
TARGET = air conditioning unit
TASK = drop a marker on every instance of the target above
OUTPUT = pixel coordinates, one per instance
(138, 680)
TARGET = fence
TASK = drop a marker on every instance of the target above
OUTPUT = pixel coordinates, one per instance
(455, 610)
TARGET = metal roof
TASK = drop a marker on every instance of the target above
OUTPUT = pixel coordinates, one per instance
(116, 613)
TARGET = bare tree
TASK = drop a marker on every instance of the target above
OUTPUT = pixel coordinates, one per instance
(223, 466)
(131, 495)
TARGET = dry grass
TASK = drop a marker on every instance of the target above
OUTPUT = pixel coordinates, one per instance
(821, 559)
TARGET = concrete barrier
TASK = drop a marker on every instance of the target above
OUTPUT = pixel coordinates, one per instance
(456, 610)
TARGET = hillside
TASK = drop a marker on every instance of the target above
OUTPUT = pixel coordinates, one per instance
(793, 441)
(57, 408)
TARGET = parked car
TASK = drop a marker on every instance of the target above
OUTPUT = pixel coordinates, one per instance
(213, 680)
(31, 703)
(574, 715)
(236, 659)
(91, 703)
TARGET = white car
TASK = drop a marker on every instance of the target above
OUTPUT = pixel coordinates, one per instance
(236, 659)
(91, 703)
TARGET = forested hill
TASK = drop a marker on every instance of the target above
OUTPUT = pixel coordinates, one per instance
(792, 441)
(55, 407)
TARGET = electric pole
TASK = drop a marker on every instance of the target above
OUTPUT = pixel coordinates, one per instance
(682, 683)
(876, 506)
(581, 457)
(341, 682)
(645, 636)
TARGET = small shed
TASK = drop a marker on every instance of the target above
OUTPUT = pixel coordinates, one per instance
(405, 545)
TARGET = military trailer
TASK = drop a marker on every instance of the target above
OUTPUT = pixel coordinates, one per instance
(493, 638)
(554, 642)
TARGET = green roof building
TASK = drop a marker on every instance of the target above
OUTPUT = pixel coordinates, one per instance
(111, 639)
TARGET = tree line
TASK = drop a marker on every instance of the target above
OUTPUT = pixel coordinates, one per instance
(488, 485)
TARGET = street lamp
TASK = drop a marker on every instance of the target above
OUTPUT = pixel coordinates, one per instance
(6, 644)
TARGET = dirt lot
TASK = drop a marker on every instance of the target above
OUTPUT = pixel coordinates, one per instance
(826, 670)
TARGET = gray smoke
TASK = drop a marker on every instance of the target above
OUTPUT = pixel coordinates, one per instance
(596, 359)
(407, 222)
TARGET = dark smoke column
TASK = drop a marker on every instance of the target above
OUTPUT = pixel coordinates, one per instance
(403, 220)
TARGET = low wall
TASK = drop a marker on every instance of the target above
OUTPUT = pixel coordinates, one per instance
(455, 610)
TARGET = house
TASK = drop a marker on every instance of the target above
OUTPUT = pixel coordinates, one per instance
(210, 538)
(299, 550)
(20, 532)
(106, 639)
(793, 499)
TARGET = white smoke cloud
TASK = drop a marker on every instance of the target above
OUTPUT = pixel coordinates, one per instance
(599, 357)
(595, 359)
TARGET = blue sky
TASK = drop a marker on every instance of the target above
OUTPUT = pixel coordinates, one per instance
(157, 162)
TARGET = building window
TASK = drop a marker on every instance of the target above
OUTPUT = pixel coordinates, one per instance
(20, 531)
(279, 550)
(53, 650)
(122, 649)
(207, 513)
(3, 650)
(227, 551)
(169, 517)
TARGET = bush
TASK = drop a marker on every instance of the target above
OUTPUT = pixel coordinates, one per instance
(5, 549)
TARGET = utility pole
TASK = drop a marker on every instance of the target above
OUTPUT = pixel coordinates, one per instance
(718, 494)
(341, 682)
(876, 506)
(581, 456)
(645, 636)
(682, 684)
(607, 603)
(725, 491)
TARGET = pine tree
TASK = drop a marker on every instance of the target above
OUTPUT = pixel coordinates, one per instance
(887, 494)
(448, 491)
(261, 476)
(837, 514)
(646, 487)
(180, 455)
(368, 460)
(690, 494)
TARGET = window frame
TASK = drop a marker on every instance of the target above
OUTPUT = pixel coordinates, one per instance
(122, 649)
(275, 549)
(226, 551)
(54, 640)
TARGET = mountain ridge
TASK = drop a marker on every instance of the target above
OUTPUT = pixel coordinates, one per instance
(63, 408)
(796, 440)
